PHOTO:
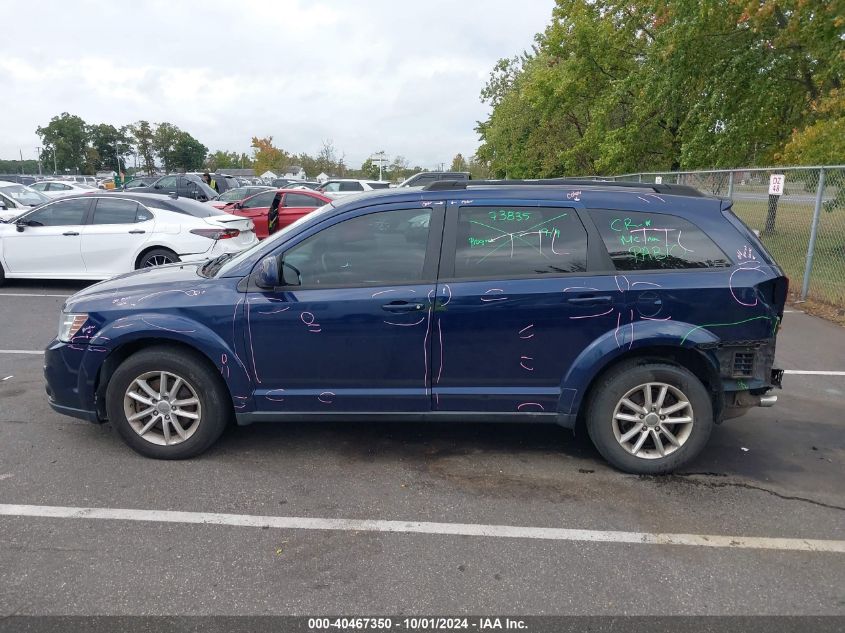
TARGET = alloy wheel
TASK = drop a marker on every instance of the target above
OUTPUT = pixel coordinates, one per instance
(162, 408)
(653, 420)
(158, 260)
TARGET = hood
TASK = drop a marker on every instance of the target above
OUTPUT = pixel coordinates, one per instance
(118, 290)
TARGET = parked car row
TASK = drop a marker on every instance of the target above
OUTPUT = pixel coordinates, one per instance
(99, 235)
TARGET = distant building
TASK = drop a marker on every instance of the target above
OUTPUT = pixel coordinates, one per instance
(294, 171)
(269, 174)
(323, 177)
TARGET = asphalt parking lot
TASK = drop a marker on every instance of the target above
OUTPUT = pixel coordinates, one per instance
(463, 501)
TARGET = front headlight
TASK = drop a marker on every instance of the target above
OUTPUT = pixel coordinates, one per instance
(69, 325)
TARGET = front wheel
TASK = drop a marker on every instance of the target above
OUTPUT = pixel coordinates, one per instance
(650, 418)
(167, 404)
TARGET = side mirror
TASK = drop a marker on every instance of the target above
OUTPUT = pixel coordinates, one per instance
(237, 205)
(20, 224)
(3, 206)
(268, 273)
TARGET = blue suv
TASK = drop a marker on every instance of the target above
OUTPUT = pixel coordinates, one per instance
(643, 313)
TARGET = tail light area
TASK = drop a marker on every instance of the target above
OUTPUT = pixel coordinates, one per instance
(216, 234)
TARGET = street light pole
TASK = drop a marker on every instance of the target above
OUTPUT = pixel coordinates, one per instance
(379, 156)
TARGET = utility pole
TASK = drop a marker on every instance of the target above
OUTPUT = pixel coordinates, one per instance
(38, 153)
(380, 158)
(55, 168)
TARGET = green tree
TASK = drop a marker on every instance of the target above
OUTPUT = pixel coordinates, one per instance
(459, 163)
(112, 145)
(613, 86)
(164, 142)
(19, 167)
(188, 152)
(369, 170)
(398, 169)
(227, 160)
(143, 138)
(67, 136)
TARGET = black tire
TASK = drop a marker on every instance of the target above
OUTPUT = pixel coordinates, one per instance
(619, 381)
(215, 404)
(147, 259)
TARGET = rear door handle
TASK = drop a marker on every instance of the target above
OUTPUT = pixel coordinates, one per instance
(70, 233)
(136, 232)
(592, 300)
(402, 306)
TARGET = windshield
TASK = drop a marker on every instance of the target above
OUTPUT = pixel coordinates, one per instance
(24, 195)
(268, 243)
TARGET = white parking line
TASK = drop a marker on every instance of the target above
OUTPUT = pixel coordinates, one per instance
(22, 351)
(421, 527)
(807, 372)
(26, 294)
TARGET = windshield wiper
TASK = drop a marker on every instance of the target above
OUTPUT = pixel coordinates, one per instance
(214, 264)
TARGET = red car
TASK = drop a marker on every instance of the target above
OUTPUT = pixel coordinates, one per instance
(285, 205)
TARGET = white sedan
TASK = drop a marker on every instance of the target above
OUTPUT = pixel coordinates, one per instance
(97, 236)
(339, 187)
(16, 198)
(61, 188)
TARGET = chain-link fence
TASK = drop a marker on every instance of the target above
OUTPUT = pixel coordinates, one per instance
(803, 227)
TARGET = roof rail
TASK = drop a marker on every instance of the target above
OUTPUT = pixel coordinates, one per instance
(669, 189)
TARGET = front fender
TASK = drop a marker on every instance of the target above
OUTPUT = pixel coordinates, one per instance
(105, 344)
(625, 340)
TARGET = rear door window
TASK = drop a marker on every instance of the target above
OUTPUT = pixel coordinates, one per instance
(519, 241)
(118, 211)
(655, 241)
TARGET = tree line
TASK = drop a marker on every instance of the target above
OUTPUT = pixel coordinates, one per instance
(645, 85)
(70, 143)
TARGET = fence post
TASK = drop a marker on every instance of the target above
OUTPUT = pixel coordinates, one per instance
(731, 185)
(811, 247)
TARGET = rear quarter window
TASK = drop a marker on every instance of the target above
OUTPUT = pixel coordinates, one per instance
(656, 241)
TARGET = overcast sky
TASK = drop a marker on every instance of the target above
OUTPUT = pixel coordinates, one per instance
(400, 76)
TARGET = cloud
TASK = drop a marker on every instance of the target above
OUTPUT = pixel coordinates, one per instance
(369, 75)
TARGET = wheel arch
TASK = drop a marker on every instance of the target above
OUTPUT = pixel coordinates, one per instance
(151, 247)
(677, 345)
(138, 341)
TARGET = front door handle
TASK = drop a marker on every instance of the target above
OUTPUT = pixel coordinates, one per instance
(136, 232)
(402, 306)
(591, 300)
(70, 233)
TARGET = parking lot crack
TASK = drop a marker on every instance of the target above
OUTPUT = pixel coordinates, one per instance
(688, 478)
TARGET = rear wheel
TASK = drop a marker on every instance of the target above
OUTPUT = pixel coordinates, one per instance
(157, 257)
(649, 418)
(167, 404)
